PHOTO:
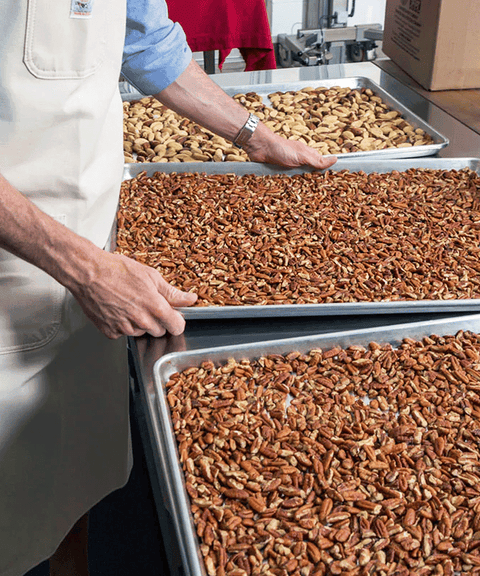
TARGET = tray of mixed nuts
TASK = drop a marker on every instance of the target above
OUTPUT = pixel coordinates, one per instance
(345, 116)
(346, 453)
(364, 237)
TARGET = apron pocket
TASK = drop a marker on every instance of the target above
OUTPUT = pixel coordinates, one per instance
(30, 305)
(64, 39)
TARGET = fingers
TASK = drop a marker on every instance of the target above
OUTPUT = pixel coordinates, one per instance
(131, 299)
(308, 156)
(167, 319)
(134, 329)
(322, 162)
(155, 331)
(156, 324)
(170, 297)
(158, 315)
(175, 297)
(294, 153)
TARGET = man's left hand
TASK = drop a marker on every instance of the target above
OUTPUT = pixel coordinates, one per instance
(266, 146)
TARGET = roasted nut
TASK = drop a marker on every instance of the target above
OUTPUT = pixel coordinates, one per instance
(334, 121)
(284, 515)
(313, 238)
(148, 121)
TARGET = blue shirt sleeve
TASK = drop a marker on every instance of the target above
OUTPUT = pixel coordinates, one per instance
(156, 50)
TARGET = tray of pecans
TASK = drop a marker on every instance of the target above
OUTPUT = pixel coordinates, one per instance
(364, 237)
(345, 453)
(344, 116)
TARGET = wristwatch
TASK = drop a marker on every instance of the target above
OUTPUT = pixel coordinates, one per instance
(246, 132)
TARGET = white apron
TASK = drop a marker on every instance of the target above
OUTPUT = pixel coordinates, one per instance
(63, 386)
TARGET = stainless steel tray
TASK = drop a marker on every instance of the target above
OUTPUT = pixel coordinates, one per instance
(355, 82)
(176, 498)
(347, 308)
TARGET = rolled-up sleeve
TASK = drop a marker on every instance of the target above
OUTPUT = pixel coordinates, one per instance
(156, 50)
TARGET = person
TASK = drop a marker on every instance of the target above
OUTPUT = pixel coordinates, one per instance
(65, 299)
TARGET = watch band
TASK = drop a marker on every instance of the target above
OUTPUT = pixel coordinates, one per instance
(246, 132)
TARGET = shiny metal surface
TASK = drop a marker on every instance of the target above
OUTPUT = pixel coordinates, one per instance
(347, 308)
(176, 499)
(357, 82)
(344, 163)
(462, 140)
(217, 332)
(176, 361)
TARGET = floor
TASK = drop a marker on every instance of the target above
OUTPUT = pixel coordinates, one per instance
(125, 538)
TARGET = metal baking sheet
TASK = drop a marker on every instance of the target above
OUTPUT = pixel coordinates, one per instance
(347, 308)
(355, 82)
(176, 498)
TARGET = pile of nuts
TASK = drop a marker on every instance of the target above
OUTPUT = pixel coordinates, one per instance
(332, 120)
(310, 238)
(154, 133)
(357, 461)
(336, 120)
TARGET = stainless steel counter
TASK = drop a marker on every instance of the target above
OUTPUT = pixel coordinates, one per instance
(146, 351)
(463, 141)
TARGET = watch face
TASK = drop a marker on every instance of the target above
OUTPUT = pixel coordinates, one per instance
(253, 121)
(246, 132)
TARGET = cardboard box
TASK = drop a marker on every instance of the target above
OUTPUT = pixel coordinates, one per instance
(437, 42)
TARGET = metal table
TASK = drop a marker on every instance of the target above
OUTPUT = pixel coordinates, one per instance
(145, 351)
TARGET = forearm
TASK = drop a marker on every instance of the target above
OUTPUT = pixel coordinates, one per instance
(195, 95)
(34, 236)
(119, 295)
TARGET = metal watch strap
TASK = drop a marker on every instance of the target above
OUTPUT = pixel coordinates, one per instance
(246, 132)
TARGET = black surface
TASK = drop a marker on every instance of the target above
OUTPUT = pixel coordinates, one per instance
(229, 332)
(124, 534)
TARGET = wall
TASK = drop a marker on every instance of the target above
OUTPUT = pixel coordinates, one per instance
(287, 16)
(368, 12)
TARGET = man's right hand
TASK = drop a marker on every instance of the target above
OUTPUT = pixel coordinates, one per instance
(124, 297)
(119, 295)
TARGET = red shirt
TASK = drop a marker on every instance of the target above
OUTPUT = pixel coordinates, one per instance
(226, 24)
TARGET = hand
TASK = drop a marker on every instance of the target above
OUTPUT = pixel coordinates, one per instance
(194, 95)
(266, 146)
(125, 297)
(119, 295)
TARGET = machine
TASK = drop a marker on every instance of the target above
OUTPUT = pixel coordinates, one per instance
(330, 40)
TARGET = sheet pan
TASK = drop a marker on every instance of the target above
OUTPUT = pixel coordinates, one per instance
(347, 308)
(176, 498)
(356, 82)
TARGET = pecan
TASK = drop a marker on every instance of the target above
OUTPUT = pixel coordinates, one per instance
(259, 506)
(249, 241)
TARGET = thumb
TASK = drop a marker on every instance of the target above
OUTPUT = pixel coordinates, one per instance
(175, 297)
(321, 162)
